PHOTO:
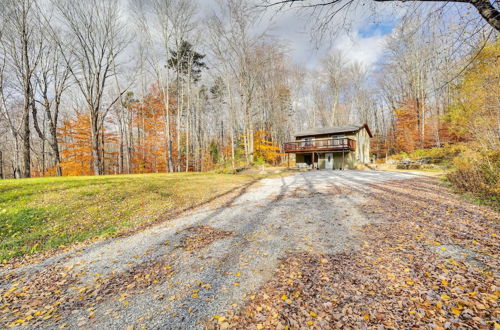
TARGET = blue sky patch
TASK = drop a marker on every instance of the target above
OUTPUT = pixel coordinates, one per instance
(381, 29)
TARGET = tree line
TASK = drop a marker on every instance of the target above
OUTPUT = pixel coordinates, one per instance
(98, 87)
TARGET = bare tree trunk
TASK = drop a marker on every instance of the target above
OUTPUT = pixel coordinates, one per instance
(1, 165)
(164, 12)
(103, 152)
(199, 134)
(121, 156)
(168, 127)
(187, 140)
(188, 113)
(232, 150)
(232, 115)
(129, 143)
(169, 138)
(27, 71)
(96, 155)
(180, 108)
(17, 162)
(26, 143)
(43, 150)
(57, 157)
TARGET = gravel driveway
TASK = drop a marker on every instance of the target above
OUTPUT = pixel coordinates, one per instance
(309, 211)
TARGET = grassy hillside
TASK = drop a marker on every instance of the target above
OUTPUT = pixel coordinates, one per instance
(43, 213)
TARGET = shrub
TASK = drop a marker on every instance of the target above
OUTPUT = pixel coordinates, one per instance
(436, 155)
(474, 172)
(477, 173)
(400, 156)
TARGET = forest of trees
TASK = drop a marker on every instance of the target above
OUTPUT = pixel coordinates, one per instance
(107, 87)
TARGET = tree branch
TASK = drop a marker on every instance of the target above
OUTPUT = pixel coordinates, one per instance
(485, 8)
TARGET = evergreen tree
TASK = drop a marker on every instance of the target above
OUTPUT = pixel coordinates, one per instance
(185, 59)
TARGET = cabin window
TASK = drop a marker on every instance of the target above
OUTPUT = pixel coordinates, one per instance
(307, 142)
(337, 139)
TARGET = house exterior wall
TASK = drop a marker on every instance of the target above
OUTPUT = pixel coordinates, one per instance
(362, 147)
(347, 161)
(321, 161)
(350, 159)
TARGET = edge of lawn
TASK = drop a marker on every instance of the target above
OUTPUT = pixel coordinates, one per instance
(30, 199)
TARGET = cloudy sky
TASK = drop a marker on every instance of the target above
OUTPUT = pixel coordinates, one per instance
(362, 41)
(360, 45)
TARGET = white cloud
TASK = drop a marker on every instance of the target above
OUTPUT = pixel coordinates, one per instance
(364, 50)
(362, 40)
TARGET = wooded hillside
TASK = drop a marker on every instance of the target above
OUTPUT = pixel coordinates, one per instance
(99, 87)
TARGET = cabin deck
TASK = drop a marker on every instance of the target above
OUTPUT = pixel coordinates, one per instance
(321, 145)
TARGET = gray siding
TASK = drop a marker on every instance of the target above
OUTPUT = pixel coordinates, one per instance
(350, 159)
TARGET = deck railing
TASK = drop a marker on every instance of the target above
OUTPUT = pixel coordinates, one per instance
(331, 144)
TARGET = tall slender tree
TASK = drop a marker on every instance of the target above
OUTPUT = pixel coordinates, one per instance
(22, 44)
(96, 39)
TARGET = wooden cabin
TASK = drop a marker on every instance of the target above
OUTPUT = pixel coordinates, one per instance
(340, 147)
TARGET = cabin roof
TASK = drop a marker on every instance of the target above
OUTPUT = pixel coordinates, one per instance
(333, 130)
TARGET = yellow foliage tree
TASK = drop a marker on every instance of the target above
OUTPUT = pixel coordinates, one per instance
(475, 116)
(265, 149)
(475, 113)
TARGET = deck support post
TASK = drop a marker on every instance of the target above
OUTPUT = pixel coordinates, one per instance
(343, 147)
(313, 160)
(288, 158)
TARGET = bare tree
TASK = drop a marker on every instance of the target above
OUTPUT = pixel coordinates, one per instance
(97, 38)
(233, 27)
(163, 12)
(182, 25)
(226, 68)
(13, 126)
(51, 81)
(22, 46)
(166, 23)
(335, 69)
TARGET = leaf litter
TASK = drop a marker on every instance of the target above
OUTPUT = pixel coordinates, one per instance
(397, 278)
(202, 236)
(48, 295)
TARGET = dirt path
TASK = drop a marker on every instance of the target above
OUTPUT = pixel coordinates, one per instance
(182, 273)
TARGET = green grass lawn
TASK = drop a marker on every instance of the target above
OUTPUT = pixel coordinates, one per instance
(44, 213)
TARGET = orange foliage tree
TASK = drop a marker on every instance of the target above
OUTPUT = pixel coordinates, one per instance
(150, 146)
(76, 147)
(407, 133)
